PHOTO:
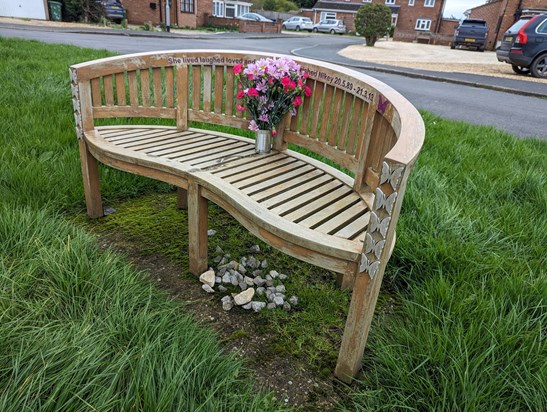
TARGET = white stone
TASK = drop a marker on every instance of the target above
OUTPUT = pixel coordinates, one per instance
(244, 297)
(293, 300)
(258, 306)
(208, 278)
(207, 288)
(280, 288)
(248, 280)
(278, 300)
(247, 306)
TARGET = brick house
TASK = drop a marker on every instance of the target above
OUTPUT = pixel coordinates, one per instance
(501, 14)
(183, 13)
(413, 19)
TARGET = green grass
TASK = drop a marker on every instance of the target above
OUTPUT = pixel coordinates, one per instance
(81, 330)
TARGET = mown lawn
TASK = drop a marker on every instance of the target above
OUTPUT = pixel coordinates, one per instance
(80, 329)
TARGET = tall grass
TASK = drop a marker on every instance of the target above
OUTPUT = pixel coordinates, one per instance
(81, 330)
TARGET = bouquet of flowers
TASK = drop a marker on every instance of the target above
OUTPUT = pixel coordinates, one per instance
(268, 89)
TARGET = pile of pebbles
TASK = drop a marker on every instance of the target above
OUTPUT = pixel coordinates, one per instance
(247, 283)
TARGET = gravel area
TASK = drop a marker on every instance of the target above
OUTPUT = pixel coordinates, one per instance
(435, 58)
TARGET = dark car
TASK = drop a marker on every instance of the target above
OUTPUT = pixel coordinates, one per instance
(524, 46)
(113, 10)
(471, 33)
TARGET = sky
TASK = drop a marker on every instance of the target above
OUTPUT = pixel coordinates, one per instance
(457, 7)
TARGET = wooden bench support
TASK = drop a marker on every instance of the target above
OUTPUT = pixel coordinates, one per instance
(197, 229)
(361, 309)
(182, 198)
(92, 187)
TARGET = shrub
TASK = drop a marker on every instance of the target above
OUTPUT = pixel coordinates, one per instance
(373, 21)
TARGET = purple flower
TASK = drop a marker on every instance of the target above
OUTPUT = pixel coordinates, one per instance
(253, 126)
(264, 118)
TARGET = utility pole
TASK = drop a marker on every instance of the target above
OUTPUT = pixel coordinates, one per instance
(167, 15)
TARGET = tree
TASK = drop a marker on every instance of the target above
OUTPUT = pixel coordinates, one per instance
(373, 21)
(82, 10)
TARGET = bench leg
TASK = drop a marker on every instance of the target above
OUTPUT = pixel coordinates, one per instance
(182, 198)
(361, 309)
(344, 281)
(197, 229)
(92, 187)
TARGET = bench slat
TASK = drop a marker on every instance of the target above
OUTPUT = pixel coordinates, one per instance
(96, 91)
(356, 116)
(145, 87)
(335, 118)
(355, 228)
(206, 70)
(108, 91)
(183, 95)
(291, 189)
(326, 113)
(194, 153)
(279, 183)
(169, 87)
(299, 206)
(107, 133)
(143, 141)
(240, 165)
(196, 87)
(120, 89)
(190, 142)
(219, 88)
(139, 134)
(158, 93)
(347, 107)
(229, 104)
(329, 211)
(265, 177)
(341, 219)
(161, 143)
(133, 89)
(242, 152)
(258, 171)
(205, 160)
(318, 96)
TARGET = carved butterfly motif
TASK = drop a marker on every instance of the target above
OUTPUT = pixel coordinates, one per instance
(379, 225)
(382, 104)
(370, 267)
(393, 177)
(372, 246)
(384, 201)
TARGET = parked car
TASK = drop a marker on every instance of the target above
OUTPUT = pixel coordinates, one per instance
(255, 17)
(524, 46)
(113, 10)
(471, 33)
(298, 23)
(330, 26)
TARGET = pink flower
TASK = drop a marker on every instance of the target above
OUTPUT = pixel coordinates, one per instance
(297, 101)
(250, 77)
(305, 75)
(241, 108)
(285, 81)
(252, 92)
(240, 95)
(292, 85)
(238, 68)
(274, 132)
(253, 126)
(307, 91)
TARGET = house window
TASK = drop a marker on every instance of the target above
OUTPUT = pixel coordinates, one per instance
(390, 1)
(187, 6)
(230, 10)
(429, 3)
(367, 1)
(327, 15)
(411, 2)
(423, 24)
(394, 19)
(242, 10)
(218, 8)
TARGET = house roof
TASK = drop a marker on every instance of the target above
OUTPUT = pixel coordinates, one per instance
(345, 6)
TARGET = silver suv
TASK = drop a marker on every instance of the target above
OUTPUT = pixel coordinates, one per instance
(330, 26)
(298, 23)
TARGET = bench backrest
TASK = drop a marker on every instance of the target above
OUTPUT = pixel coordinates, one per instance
(351, 119)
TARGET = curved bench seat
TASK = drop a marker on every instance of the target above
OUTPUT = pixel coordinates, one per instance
(280, 194)
(299, 205)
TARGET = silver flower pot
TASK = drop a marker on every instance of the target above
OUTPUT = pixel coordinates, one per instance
(263, 142)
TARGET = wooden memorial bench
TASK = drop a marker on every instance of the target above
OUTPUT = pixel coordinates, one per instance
(297, 204)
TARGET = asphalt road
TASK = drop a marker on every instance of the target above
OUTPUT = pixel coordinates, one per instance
(522, 116)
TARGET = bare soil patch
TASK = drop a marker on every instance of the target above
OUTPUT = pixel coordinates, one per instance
(434, 58)
(293, 382)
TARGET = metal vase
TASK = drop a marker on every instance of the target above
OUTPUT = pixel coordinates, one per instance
(263, 142)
